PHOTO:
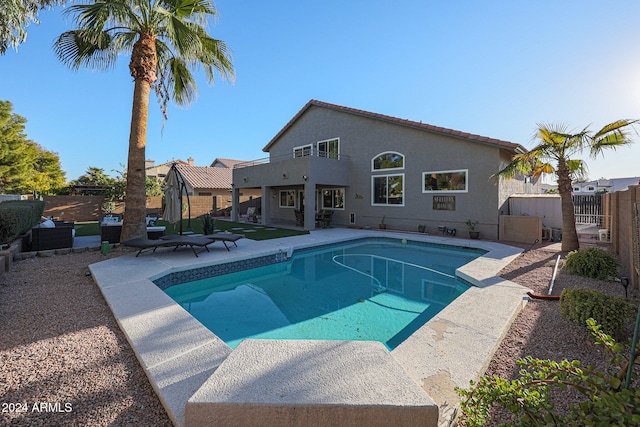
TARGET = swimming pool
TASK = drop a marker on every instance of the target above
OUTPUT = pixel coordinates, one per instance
(372, 289)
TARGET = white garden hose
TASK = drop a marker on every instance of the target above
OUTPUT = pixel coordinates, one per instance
(553, 278)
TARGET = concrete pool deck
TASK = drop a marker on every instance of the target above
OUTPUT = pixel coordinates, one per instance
(198, 378)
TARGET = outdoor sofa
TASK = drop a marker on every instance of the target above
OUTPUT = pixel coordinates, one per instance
(52, 235)
(110, 231)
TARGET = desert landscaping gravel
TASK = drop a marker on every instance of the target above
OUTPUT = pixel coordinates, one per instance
(64, 361)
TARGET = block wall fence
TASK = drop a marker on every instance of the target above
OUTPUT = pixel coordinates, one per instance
(88, 208)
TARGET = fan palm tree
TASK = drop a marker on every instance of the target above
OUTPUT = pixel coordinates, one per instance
(165, 38)
(555, 154)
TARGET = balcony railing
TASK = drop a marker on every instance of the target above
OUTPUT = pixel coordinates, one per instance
(274, 159)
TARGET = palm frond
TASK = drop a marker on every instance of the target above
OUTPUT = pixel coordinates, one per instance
(78, 48)
(217, 56)
(613, 135)
(181, 82)
(518, 166)
(577, 169)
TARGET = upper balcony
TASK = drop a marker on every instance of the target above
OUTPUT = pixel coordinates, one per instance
(318, 167)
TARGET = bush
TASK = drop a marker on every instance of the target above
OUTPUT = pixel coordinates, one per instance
(208, 224)
(17, 217)
(592, 262)
(608, 400)
(610, 311)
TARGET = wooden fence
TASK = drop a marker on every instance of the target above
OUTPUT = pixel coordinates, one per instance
(624, 233)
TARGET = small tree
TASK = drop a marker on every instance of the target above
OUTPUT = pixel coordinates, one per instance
(555, 154)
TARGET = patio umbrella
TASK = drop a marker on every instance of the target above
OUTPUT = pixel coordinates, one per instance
(173, 197)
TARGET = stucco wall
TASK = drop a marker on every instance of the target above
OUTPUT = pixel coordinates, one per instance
(362, 138)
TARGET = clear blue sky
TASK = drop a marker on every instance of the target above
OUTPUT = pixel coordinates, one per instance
(493, 68)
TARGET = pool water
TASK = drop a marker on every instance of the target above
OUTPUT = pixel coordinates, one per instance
(373, 289)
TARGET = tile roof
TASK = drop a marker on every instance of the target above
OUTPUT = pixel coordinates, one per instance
(206, 177)
(402, 122)
(169, 163)
(227, 163)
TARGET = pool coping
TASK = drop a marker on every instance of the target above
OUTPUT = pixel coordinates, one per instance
(180, 356)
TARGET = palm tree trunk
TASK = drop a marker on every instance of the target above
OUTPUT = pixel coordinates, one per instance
(565, 188)
(134, 224)
(143, 70)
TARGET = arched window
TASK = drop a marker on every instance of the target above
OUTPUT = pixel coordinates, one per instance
(387, 189)
(387, 160)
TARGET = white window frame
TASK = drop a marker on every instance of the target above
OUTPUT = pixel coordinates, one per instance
(404, 158)
(301, 148)
(291, 193)
(332, 189)
(373, 195)
(466, 181)
(326, 152)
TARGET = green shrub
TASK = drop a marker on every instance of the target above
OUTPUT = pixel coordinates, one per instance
(17, 217)
(208, 224)
(607, 401)
(610, 311)
(592, 262)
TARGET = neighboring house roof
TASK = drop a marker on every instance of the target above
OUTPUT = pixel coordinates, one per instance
(225, 163)
(402, 122)
(167, 164)
(205, 176)
(611, 184)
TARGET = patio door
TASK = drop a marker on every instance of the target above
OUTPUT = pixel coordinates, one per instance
(301, 200)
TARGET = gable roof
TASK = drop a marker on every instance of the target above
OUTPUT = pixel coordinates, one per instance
(401, 122)
(206, 177)
(225, 163)
(169, 163)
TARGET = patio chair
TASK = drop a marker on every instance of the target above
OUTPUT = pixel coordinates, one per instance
(152, 218)
(224, 238)
(110, 218)
(251, 214)
(299, 218)
(323, 218)
(57, 237)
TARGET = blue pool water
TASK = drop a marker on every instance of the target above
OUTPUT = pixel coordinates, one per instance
(373, 289)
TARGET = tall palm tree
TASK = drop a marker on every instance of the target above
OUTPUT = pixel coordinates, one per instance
(165, 38)
(555, 154)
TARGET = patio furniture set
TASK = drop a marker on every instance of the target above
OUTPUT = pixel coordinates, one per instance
(111, 228)
(52, 234)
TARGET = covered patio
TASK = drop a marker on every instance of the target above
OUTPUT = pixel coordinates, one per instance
(287, 183)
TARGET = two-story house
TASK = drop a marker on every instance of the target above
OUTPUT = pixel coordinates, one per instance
(370, 168)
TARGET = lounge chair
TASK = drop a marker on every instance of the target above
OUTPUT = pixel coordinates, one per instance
(174, 240)
(224, 238)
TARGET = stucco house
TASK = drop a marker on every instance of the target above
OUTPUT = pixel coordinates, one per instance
(160, 171)
(213, 181)
(368, 168)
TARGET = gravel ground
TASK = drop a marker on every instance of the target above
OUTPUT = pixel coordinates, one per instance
(64, 358)
(540, 331)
